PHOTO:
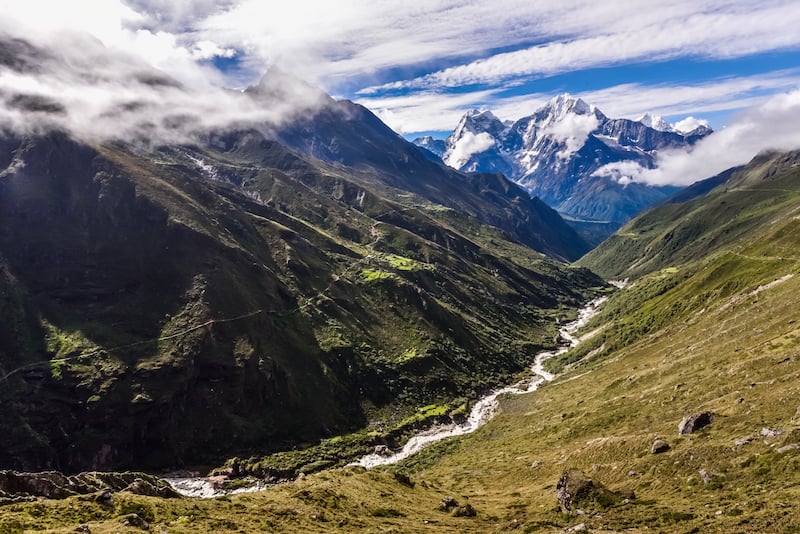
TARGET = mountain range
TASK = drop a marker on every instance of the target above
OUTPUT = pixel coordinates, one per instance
(560, 153)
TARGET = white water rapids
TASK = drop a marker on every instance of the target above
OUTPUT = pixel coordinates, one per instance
(205, 488)
(483, 410)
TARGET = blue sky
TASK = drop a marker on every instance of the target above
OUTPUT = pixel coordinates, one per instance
(420, 64)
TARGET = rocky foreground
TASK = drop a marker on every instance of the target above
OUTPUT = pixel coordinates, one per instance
(98, 486)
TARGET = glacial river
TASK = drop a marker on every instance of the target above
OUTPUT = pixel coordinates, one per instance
(482, 411)
(485, 408)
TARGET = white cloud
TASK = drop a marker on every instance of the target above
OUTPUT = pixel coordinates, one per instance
(771, 126)
(432, 42)
(468, 145)
(75, 83)
(689, 124)
(210, 49)
(572, 130)
(623, 172)
(441, 111)
(713, 33)
(633, 99)
(424, 111)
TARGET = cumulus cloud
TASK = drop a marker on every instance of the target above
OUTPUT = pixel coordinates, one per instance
(770, 126)
(467, 146)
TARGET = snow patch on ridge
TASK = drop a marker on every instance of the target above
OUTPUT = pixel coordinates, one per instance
(656, 122)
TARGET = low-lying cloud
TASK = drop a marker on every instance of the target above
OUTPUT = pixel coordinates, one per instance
(467, 146)
(572, 130)
(73, 82)
(770, 126)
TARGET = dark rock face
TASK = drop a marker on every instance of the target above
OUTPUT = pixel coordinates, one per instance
(693, 423)
(55, 485)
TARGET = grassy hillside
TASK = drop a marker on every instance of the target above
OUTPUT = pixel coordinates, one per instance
(749, 200)
(719, 333)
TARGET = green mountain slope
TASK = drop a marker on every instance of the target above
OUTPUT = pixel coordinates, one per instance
(153, 316)
(715, 334)
(748, 200)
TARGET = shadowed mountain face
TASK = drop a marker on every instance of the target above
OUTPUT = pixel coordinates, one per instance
(344, 133)
(180, 306)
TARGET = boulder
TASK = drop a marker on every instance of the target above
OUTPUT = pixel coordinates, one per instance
(151, 489)
(575, 488)
(659, 446)
(133, 520)
(707, 477)
(771, 432)
(447, 504)
(464, 511)
(103, 497)
(693, 423)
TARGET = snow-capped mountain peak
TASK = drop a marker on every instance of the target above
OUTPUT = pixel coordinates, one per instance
(656, 122)
(565, 153)
(559, 107)
(435, 146)
(476, 121)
